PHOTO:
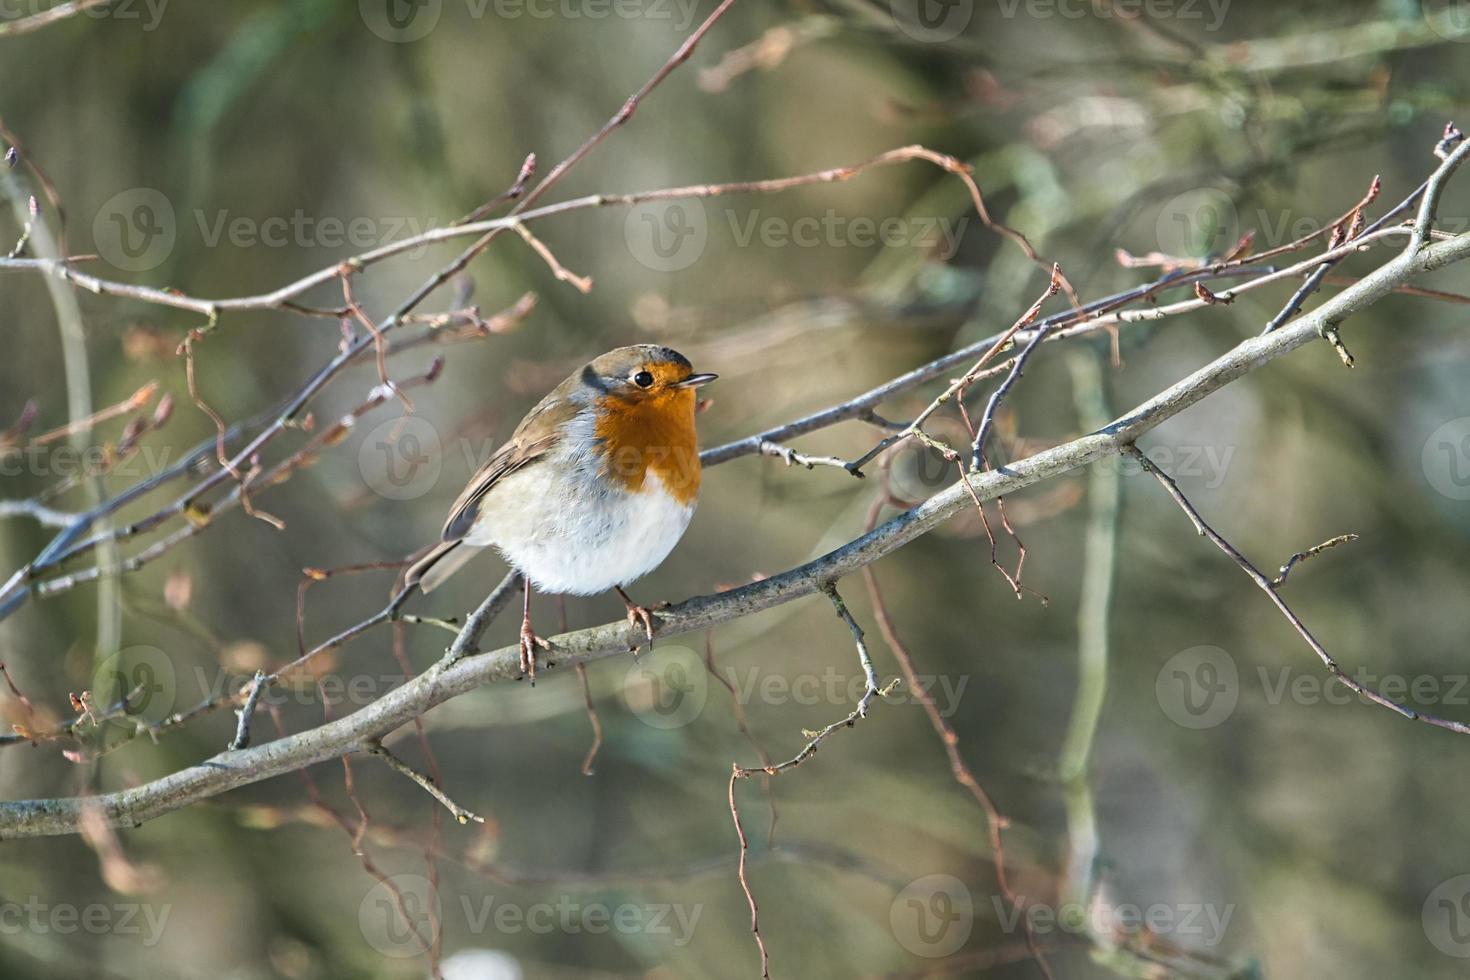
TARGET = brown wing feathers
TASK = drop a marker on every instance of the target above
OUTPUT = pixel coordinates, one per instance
(537, 434)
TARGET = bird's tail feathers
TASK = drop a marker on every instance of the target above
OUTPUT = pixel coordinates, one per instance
(446, 558)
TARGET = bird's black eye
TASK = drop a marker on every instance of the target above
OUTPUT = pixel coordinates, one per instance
(643, 379)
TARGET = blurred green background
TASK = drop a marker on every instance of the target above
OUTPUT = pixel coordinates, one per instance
(1271, 825)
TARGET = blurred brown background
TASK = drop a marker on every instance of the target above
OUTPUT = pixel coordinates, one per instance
(1323, 838)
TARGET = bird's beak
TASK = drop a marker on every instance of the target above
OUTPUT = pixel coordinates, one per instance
(695, 380)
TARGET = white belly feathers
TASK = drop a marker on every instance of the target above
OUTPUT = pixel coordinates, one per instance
(593, 536)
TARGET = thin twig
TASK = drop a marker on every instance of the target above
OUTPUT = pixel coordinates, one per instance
(740, 871)
(995, 821)
(815, 738)
(592, 719)
(583, 284)
(46, 516)
(247, 711)
(738, 709)
(1265, 584)
(375, 747)
(793, 458)
(51, 15)
(1310, 553)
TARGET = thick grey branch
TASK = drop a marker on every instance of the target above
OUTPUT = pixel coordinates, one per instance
(460, 671)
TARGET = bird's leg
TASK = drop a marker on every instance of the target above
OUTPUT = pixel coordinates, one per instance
(529, 640)
(638, 615)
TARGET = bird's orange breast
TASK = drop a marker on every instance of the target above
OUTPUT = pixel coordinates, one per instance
(652, 435)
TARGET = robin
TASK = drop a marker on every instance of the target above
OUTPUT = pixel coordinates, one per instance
(593, 490)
